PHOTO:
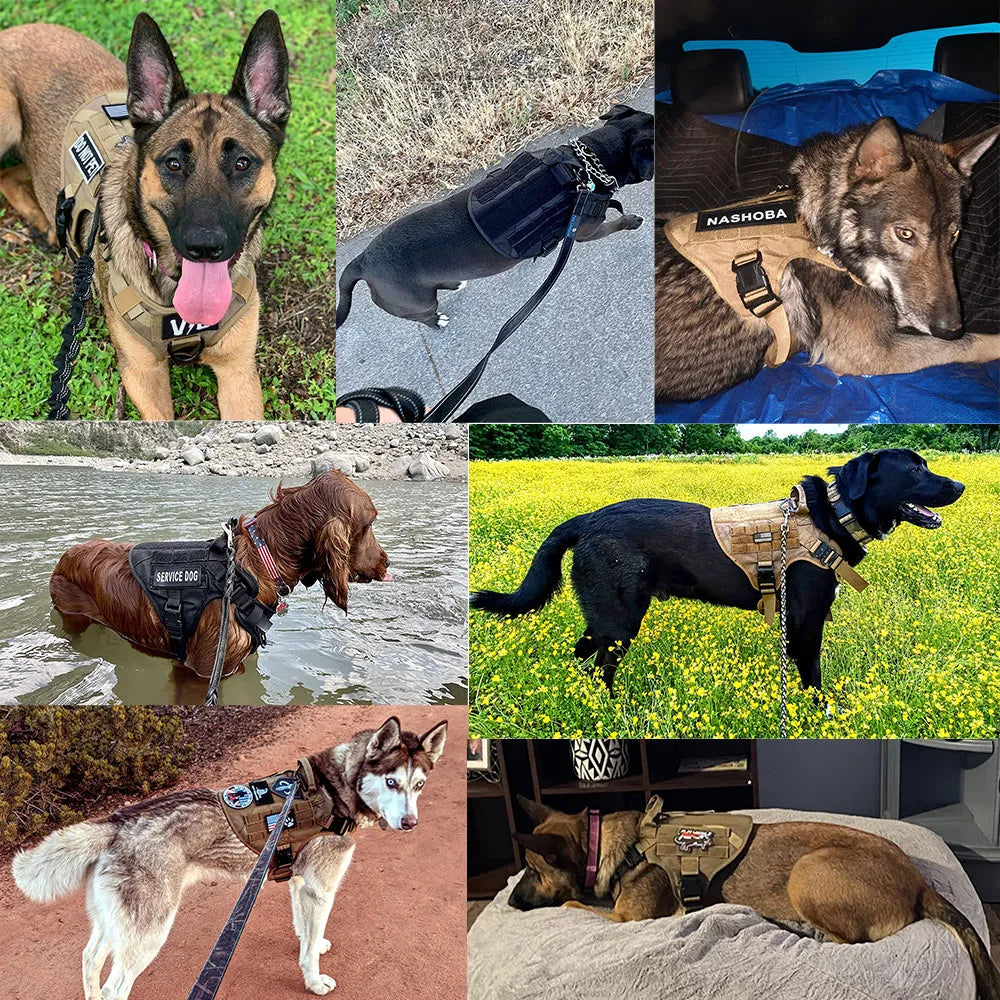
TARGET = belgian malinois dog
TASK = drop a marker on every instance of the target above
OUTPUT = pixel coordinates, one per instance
(887, 204)
(851, 885)
(183, 197)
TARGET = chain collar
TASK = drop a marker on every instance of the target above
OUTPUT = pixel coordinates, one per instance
(846, 516)
(593, 169)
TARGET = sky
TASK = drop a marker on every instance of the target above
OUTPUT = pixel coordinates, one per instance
(747, 431)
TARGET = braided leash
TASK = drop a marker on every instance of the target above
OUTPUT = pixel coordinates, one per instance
(65, 360)
(212, 697)
(787, 507)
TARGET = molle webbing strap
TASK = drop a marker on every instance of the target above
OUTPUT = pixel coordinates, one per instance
(750, 535)
(743, 249)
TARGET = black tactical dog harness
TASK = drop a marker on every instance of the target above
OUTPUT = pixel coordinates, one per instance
(180, 578)
(522, 210)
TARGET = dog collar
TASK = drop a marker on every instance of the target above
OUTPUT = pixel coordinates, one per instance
(846, 516)
(269, 564)
(593, 846)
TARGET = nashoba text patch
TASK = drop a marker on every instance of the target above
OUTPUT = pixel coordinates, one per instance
(768, 213)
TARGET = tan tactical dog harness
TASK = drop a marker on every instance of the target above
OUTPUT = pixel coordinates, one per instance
(743, 249)
(99, 131)
(691, 847)
(750, 534)
(252, 810)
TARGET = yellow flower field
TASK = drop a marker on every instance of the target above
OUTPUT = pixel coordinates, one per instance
(915, 655)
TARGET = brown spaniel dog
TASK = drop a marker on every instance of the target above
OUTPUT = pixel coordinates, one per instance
(318, 532)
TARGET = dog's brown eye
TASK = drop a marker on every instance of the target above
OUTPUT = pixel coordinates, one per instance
(173, 164)
(904, 233)
(955, 235)
(242, 164)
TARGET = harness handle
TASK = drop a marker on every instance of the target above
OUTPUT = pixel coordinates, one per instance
(65, 360)
(445, 409)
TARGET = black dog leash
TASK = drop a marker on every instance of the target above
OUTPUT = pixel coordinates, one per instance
(212, 697)
(586, 201)
(65, 360)
(210, 979)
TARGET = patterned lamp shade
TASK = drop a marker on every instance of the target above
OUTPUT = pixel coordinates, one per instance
(600, 760)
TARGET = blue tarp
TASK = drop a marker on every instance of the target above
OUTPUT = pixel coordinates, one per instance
(797, 392)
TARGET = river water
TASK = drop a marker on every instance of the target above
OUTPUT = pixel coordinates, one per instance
(404, 642)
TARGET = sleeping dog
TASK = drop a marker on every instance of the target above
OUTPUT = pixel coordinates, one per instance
(439, 247)
(628, 553)
(851, 885)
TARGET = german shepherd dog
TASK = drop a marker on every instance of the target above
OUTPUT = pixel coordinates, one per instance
(137, 862)
(628, 553)
(851, 885)
(193, 185)
(439, 248)
(888, 204)
(321, 532)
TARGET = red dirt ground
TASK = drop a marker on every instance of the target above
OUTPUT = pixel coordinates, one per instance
(398, 923)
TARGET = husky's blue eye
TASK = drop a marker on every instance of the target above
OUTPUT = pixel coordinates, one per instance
(391, 782)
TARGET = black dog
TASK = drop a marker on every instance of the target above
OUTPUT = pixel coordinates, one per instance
(630, 552)
(439, 247)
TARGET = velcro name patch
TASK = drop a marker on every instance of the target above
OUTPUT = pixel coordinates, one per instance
(177, 576)
(174, 327)
(771, 213)
(87, 156)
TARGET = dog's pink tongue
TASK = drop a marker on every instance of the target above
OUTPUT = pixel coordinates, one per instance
(204, 292)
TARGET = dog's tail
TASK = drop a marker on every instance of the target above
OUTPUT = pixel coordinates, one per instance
(350, 276)
(61, 862)
(935, 907)
(544, 576)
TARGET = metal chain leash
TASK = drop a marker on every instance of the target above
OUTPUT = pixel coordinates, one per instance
(212, 697)
(592, 166)
(787, 506)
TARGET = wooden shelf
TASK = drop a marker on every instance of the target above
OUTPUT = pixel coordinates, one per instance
(632, 783)
(484, 790)
(704, 779)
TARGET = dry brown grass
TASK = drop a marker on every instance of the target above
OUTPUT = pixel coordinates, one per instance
(431, 90)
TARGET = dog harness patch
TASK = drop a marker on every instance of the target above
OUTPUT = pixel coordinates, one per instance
(178, 576)
(690, 840)
(87, 156)
(771, 213)
(116, 112)
(238, 797)
(173, 326)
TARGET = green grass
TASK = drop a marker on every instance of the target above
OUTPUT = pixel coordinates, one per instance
(296, 273)
(914, 655)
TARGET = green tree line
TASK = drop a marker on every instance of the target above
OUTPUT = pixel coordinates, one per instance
(507, 441)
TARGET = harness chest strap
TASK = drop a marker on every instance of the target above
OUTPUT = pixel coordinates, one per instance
(743, 249)
(750, 535)
(692, 847)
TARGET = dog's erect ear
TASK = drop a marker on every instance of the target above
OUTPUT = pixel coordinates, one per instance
(880, 153)
(155, 83)
(617, 111)
(537, 812)
(333, 559)
(432, 742)
(965, 153)
(387, 736)
(546, 845)
(853, 476)
(261, 80)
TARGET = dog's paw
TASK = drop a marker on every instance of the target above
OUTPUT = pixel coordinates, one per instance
(324, 945)
(632, 221)
(321, 986)
(461, 285)
(442, 320)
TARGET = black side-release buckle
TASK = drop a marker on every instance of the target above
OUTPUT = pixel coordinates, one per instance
(64, 214)
(766, 580)
(826, 554)
(752, 285)
(281, 864)
(693, 890)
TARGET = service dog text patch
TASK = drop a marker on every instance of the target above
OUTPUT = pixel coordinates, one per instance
(86, 156)
(768, 213)
(177, 576)
(174, 326)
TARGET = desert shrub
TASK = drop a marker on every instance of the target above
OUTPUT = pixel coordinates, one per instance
(57, 763)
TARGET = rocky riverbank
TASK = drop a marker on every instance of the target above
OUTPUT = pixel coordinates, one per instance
(295, 450)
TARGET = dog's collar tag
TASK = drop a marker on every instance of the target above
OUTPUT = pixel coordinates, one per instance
(87, 156)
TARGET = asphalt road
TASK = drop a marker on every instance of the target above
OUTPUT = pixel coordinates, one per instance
(584, 356)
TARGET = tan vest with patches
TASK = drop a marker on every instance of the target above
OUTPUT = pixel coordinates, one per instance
(252, 810)
(745, 261)
(98, 131)
(750, 534)
(692, 847)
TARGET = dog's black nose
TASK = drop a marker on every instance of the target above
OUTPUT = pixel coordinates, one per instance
(946, 331)
(204, 245)
(408, 822)
(958, 487)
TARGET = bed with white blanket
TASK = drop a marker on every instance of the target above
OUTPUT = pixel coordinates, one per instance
(726, 952)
